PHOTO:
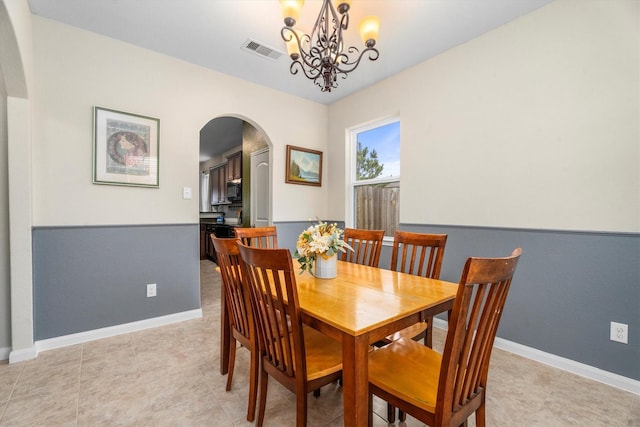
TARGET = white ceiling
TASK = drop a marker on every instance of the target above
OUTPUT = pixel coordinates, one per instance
(219, 136)
(211, 33)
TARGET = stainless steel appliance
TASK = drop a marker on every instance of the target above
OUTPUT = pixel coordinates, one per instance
(205, 192)
(234, 190)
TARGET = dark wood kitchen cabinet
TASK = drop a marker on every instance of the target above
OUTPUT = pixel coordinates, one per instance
(219, 185)
(234, 166)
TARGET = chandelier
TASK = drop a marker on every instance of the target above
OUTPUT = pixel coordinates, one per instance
(321, 55)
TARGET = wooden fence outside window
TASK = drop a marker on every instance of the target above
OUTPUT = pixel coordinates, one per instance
(378, 207)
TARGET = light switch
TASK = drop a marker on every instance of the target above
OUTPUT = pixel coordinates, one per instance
(186, 193)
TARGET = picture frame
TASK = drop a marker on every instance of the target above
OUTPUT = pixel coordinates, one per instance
(125, 148)
(304, 166)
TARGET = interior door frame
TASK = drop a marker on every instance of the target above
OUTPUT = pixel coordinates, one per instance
(254, 191)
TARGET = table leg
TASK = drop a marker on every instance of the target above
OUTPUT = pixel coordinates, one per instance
(225, 334)
(355, 379)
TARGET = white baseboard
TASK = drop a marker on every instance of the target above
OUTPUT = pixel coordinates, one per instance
(16, 356)
(590, 372)
(82, 337)
(4, 353)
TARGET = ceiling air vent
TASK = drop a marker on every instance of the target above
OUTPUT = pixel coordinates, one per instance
(261, 50)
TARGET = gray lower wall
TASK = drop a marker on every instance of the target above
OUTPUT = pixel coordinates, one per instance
(567, 289)
(86, 278)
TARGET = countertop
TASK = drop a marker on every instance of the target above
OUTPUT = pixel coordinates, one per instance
(228, 221)
(211, 217)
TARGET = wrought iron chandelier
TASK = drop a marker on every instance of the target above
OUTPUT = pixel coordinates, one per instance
(321, 55)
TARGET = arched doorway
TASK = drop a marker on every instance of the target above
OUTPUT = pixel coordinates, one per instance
(221, 141)
(16, 281)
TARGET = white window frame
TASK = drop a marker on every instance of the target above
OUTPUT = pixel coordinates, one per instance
(352, 148)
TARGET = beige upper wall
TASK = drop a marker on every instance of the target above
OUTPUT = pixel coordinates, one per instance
(533, 125)
(76, 70)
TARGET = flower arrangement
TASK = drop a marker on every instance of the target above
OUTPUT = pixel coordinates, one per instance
(320, 239)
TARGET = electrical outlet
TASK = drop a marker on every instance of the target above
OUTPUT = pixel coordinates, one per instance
(151, 290)
(619, 332)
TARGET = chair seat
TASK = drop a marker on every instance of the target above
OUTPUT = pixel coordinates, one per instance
(409, 370)
(415, 332)
(324, 355)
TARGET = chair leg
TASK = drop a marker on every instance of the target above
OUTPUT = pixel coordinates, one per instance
(370, 413)
(402, 416)
(264, 380)
(301, 409)
(232, 362)
(480, 416)
(428, 336)
(253, 384)
(391, 413)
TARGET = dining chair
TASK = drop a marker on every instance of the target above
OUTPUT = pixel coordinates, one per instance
(419, 254)
(445, 389)
(259, 237)
(240, 319)
(300, 358)
(366, 246)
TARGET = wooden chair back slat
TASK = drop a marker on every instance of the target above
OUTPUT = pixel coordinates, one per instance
(302, 360)
(418, 253)
(228, 258)
(271, 280)
(481, 296)
(259, 237)
(366, 245)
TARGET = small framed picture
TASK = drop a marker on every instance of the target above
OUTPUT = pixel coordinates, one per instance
(304, 166)
(125, 148)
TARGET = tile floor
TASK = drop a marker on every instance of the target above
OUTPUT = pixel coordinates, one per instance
(168, 376)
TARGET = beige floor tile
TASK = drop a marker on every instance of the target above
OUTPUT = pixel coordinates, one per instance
(634, 413)
(574, 399)
(117, 362)
(106, 346)
(177, 387)
(8, 380)
(199, 411)
(111, 399)
(56, 401)
(59, 356)
(124, 410)
(38, 376)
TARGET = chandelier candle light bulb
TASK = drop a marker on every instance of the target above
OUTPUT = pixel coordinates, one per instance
(293, 45)
(369, 27)
(291, 11)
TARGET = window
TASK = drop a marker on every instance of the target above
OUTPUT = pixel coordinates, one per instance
(375, 176)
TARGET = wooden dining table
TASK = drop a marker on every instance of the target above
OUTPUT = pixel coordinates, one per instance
(359, 307)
